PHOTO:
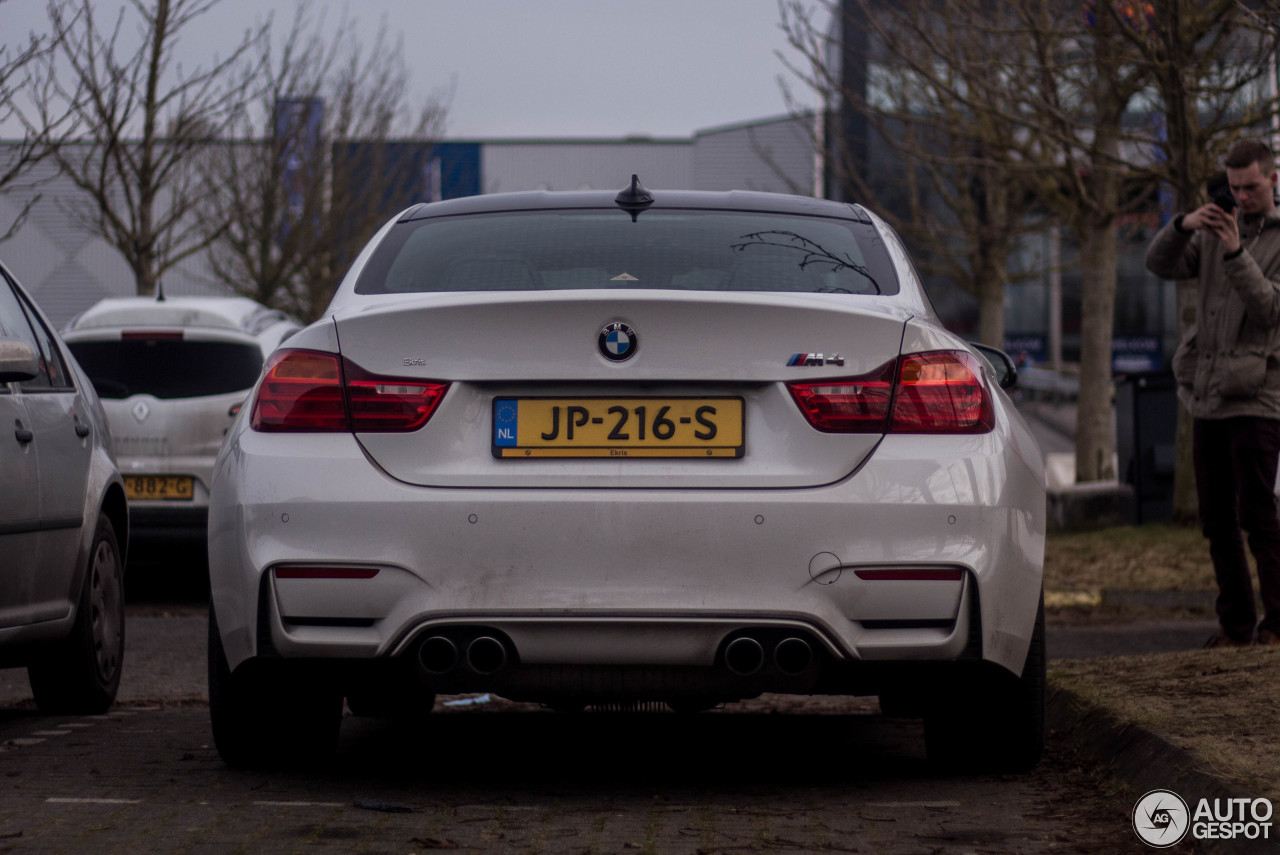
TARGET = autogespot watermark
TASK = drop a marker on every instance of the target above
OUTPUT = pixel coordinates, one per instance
(1162, 819)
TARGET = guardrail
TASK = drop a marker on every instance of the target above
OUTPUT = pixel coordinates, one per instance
(1052, 384)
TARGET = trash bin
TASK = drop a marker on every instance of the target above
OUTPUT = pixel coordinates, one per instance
(1146, 425)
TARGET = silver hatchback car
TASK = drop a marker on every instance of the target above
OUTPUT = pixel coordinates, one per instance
(172, 374)
(64, 523)
(585, 449)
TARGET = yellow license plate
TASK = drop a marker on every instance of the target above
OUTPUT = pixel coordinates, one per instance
(176, 488)
(617, 427)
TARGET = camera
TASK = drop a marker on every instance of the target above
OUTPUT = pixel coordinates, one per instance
(1220, 193)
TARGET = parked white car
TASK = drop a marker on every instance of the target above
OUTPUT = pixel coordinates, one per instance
(64, 522)
(172, 374)
(580, 449)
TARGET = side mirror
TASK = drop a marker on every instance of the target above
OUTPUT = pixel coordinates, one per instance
(18, 361)
(1006, 372)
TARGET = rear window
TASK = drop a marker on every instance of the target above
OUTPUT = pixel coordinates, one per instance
(168, 368)
(682, 250)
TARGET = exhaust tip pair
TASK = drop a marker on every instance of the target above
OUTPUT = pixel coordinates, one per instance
(483, 655)
(745, 656)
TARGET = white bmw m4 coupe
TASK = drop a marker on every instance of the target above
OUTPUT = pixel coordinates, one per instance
(589, 449)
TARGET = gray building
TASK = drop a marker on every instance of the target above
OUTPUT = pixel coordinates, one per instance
(68, 269)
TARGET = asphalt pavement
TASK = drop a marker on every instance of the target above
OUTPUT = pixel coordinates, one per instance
(828, 776)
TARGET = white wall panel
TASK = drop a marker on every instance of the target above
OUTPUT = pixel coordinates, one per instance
(585, 165)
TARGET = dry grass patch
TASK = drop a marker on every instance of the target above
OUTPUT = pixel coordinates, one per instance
(1139, 558)
(1219, 704)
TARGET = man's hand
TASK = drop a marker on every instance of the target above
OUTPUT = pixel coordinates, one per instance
(1217, 222)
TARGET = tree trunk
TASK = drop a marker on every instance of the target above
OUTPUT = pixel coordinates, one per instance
(1095, 439)
(991, 303)
(1185, 504)
(145, 274)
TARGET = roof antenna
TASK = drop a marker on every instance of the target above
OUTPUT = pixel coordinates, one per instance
(159, 291)
(635, 198)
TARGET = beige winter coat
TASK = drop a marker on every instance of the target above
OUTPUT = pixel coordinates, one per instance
(1228, 362)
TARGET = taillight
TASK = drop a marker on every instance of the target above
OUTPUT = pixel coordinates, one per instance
(940, 392)
(303, 391)
(852, 405)
(383, 404)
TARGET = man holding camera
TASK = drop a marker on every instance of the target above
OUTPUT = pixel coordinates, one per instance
(1227, 367)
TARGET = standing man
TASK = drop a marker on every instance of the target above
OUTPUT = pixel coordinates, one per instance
(1228, 371)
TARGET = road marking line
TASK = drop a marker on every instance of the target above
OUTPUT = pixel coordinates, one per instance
(913, 804)
(301, 804)
(50, 732)
(22, 742)
(67, 801)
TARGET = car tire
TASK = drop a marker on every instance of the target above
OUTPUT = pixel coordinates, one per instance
(80, 675)
(995, 723)
(263, 717)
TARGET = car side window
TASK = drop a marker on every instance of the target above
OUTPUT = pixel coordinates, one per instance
(13, 320)
(18, 321)
(55, 376)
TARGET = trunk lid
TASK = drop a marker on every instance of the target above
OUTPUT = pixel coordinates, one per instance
(709, 348)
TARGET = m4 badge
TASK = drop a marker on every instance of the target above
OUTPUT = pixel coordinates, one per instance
(808, 360)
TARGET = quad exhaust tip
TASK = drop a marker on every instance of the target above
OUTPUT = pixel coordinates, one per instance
(438, 655)
(793, 656)
(744, 656)
(486, 655)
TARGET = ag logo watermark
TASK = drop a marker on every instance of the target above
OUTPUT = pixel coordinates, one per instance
(1162, 819)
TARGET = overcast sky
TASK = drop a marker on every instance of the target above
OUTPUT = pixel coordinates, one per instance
(544, 68)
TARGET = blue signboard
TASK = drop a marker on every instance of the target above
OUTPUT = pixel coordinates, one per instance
(1135, 354)
(1025, 348)
(298, 125)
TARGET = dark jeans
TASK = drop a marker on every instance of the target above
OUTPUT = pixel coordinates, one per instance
(1235, 462)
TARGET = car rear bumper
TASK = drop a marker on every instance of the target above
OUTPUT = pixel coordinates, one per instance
(628, 578)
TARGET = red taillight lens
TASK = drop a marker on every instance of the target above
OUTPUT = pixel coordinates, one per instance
(941, 393)
(392, 405)
(854, 405)
(938, 392)
(303, 391)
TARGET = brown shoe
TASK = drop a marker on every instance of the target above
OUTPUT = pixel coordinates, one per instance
(1266, 636)
(1221, 639)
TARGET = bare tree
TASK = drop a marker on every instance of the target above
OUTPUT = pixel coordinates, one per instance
(17, 159)
(1213, 67)
(322, 159)
(1081, 78)
(137, 120)
(960, 197)
(1037, 94)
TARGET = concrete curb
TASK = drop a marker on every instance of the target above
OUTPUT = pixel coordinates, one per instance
(1143, 760)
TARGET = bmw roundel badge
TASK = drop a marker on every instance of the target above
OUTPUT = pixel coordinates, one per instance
(618, 342)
